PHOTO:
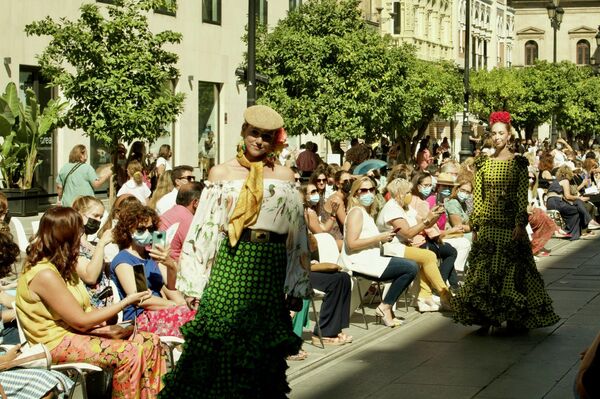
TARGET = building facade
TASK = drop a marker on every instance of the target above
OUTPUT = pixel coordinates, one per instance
(211, 50)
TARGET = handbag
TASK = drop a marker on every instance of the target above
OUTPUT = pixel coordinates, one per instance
(32, 356)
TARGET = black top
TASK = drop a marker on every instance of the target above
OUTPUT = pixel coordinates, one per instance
(543, 183)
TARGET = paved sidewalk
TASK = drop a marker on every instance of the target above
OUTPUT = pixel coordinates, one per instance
(432, 357)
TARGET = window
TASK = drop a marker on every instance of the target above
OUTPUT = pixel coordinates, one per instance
(30, 77)
(531, 52)
(168, 8)
(211, 11)
(262, 11)
(208, 126)
(583, 52)
(396, 18)
(294, 5)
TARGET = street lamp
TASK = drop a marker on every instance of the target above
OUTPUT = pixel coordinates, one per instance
(594, 59)
(555, 13)
(465, 144)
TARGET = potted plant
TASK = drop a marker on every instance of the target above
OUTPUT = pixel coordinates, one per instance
(22, 125)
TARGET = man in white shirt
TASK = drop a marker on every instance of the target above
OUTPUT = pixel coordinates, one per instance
(181, 175)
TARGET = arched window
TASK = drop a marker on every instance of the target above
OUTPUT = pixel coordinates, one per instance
(583, 52)
(531, 52)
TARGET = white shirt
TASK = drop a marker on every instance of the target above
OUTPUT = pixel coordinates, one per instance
(141, 192)
(164, 162)
(166, 202)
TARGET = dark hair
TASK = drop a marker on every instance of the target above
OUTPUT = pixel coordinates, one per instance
(137, 152)
(129, 219)
(546, 162)
(121, 202)
(57, 240)
(9, 252)
(164, 151)
(353, 142)
(178, 172)
(189, 192)
(338, 175)
(418, 179)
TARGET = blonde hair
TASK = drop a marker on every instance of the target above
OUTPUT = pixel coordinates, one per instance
(163, 186)
(399, 185)
(85, 203)
(134, 170)
(564, 172)
(77, 153)
(353, 198)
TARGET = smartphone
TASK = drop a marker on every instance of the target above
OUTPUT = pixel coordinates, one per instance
(140, 278)
(126, 323)
(159, 238)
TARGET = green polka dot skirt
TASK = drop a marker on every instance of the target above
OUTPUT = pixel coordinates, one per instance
(237, 344)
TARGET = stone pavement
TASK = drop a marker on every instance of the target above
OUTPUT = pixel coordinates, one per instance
(431, 356)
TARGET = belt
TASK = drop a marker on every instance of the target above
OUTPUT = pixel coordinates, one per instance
(262, 236)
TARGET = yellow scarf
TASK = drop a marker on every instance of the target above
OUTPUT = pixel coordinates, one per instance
(248, 205)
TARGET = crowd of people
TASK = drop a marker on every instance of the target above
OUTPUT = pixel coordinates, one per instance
(228, 264)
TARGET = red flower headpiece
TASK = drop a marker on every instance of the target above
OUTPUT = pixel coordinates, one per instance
(280, 136)
(500, 116)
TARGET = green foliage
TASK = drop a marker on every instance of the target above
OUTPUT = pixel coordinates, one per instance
(330, 74)
(113, 70)
(22, 126)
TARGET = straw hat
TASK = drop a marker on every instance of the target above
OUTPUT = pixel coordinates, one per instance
(446, 179)
(263, 117)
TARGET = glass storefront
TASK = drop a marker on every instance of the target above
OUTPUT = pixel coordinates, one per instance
(208, 126)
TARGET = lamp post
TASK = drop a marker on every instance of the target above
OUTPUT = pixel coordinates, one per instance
(595, 58)
(251, 72)
(465, 144)
(555, 13)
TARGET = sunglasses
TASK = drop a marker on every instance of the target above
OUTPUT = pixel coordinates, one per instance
(366, 190)
(143, 229)
(188, 178)
(321, 180)
(297, 179)
(265, 136)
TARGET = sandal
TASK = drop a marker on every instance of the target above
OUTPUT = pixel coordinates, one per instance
(588, 235)
(332, 341)
(301, 355)
(345, 337)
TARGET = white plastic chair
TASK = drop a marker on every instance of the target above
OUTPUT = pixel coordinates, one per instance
(79, 369)
(22, 240)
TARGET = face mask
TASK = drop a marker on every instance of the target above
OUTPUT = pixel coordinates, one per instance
(462, 197)
(142, 239)
(314, 198)
(347, 186)
(445, 192)
(92, 226)
(425, 191)
(559, 146)
(367, 199)
(407, 199)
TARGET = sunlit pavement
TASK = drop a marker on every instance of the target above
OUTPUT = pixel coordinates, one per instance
(432, 357)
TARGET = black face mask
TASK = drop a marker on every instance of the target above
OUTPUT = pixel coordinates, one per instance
(347, 186)
(92, 226)
(7, 217)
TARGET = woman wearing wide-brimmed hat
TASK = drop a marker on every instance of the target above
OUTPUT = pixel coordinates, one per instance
(250, 237)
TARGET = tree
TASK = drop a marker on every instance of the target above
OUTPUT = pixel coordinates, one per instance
(329, 73)
(113, 70)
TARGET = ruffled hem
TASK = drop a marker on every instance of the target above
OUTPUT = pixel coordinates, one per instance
(503, 284)
(227, 358)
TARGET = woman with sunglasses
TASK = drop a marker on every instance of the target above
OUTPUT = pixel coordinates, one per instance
(315, 223)
(250, 239)
(335, 205)
(54, 309)
(166, 310)
(361, 252)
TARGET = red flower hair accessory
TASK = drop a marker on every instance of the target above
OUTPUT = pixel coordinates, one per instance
(280, 136)
(500, 116)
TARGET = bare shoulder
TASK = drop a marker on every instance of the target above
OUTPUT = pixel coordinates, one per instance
(220, 172)
(280, 173)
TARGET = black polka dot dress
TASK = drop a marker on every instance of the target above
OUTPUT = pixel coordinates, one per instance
(502, 282)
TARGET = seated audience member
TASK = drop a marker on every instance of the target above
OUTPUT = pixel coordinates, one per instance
(135, 185)
(355, 155)
(90, 265)
(165, 311)
(319, 179)
(111, 249)
(4, 214)
(23, 383)
(188, 199)
(181, 175)
(429, 238)
(572, 210)
(163, 187)
(314, 222)
(545, 166)
(54, 309)
(343, 182)
(456, 207)
(361, 252)
(397, 214)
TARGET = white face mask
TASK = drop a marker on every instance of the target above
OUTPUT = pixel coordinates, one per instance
(559, 146)
(314, 198)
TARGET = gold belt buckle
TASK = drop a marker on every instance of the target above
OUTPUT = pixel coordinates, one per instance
(259, 236)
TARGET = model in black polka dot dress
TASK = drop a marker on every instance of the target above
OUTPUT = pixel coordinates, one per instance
(502, 283)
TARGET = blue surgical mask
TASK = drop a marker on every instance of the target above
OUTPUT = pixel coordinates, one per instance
(462, 197)
(142, 239)
(425, 191)
(314, 198)
(445, 192)
(367, 199)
